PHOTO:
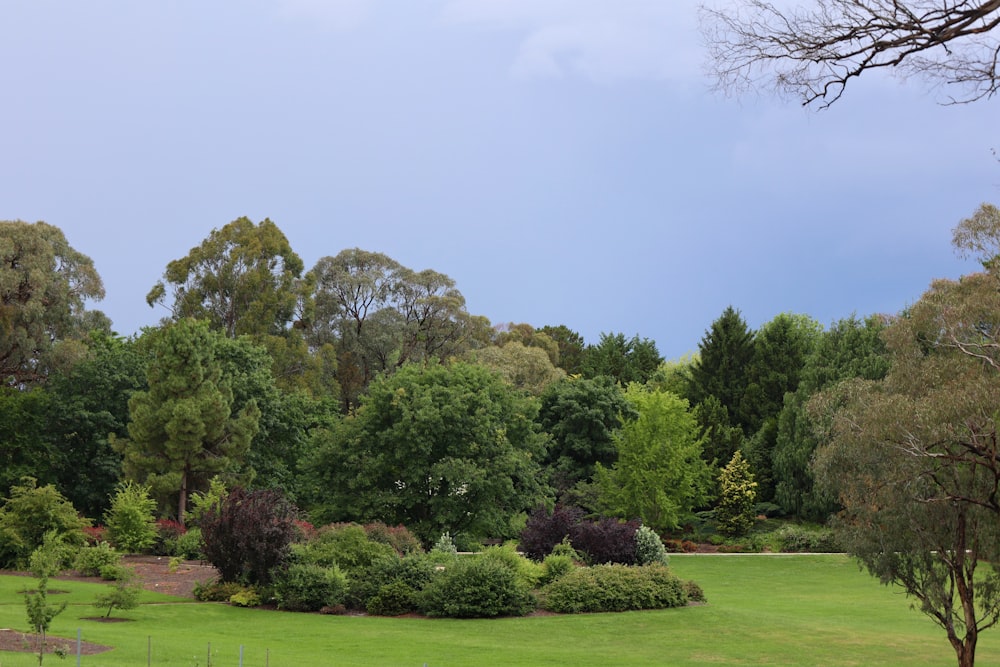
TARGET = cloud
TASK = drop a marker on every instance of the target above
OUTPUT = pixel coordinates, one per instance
(337, 15)
(594, 39)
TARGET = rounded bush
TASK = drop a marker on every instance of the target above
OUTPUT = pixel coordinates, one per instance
(614, 588)
(477, 588)
(345, 545)
(414, 571)
(309, 587)
(90, 560)
(392, 599)
(555, 566)
(649, 547)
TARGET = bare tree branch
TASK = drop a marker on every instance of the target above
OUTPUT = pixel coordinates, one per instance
(813, 53)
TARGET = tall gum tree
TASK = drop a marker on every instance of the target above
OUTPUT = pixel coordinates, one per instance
(914, 459)
(44, 284)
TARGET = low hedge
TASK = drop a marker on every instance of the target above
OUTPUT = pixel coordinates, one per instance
(614, 587)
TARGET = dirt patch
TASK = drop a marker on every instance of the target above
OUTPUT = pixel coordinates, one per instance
(24, 642)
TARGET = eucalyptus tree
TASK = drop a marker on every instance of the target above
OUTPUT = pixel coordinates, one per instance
(44, 286)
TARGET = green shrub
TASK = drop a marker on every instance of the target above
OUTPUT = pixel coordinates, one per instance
(445, 545)
(614, 588)
(797, 539)
(129, 521)
(345, 545)
(528, 572)
(28, 514)
(477, 588)
(217, 591)
(202, 502)
(115, 572)
(649, 547)
(414, 571)
(247, 597)
(694, 592)
(90, 560)
(309, 587)
(124, 594)
(555, 566)
(398, 537)
(392, 599)
(188, 546)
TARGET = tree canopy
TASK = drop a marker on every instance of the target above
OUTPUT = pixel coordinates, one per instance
(813, 53)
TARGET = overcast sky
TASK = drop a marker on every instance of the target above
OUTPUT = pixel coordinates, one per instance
(564, 161)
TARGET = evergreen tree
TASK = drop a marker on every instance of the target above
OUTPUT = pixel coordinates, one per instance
(724, 356)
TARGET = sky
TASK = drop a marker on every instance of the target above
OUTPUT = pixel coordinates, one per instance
(563, 161)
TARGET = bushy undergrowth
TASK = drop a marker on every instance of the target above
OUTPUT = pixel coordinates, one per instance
(799, 539)
(614, 588)
(545, 530)
(399, 575)
(606, 541)
(555, 566)
(477, 588)
(89, 560)
(398, 537)
(309, 587)
(345, 545)
(217, 591)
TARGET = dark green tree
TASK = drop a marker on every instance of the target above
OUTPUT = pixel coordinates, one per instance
(722, 367)
(570, 345)
(436, 448)
(182, 429)
(581, 415)
(851, 348)
(625, 360)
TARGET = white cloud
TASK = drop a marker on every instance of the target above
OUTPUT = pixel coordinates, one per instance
(595, 39)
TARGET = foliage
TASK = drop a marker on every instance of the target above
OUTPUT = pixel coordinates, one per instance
(735, 511)
(90, 559)
(555, 566)
(398, 537)
(394, 580)
(570, 347)
(624, 360)
(217, 591)
(797, 539)
(347, 546)
(660, 475)
(40, 613)
(649, 548)
(188, 546)
(436, 447)
(203, 501)
(129, 521)
(850, 348)
(603, 588)
(242, 279)
(581, 416)
(606, 540)
(44, 283)
(477, 588)
(182, 430)
(28, 514)
(124, 595)
(545, 530)
(445, 545)
(309, 587)
(527, 571)
(812, 54)
(249, 535)
(527, 369)
(722, 366)
(248, 597)
(114, 572)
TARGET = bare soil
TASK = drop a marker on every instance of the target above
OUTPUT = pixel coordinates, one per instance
(153, 572)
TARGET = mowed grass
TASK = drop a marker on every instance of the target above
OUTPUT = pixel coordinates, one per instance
(762, 610)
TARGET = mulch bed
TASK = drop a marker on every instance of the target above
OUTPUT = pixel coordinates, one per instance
(155, 575)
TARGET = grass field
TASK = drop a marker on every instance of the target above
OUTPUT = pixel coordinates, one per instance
(762, 610)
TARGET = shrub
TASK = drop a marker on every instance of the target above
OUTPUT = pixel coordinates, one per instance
(526, 571)
(414, 571)
(445, 545)
(606, 541)
(90, 560)
(28, 514)
(188, 546)
(345, 545)
(167, 533)
(217, 591)
(799, 539)
(249, 535)
(544, 530)
(614, 588)
(124, 594)
(129, 521)
(392, 599)
(694, 592)
(477, 588)
(555, 566)
(649, 547)
(398, 537)
(247, 597)
(309, 587)
(94, 535)
(115, 572)
(203, 502)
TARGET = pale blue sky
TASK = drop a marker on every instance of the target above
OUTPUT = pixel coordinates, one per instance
(564, 161)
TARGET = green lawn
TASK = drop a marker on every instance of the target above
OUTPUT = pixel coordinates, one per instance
(763, 610)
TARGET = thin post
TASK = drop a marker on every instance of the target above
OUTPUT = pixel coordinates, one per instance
(79, 646)
(241, 655)
(149, 650)
(208, 661)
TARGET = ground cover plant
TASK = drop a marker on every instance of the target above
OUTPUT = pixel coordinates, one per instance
(762, 609)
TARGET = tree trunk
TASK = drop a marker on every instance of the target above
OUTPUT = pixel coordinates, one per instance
(182, 498)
